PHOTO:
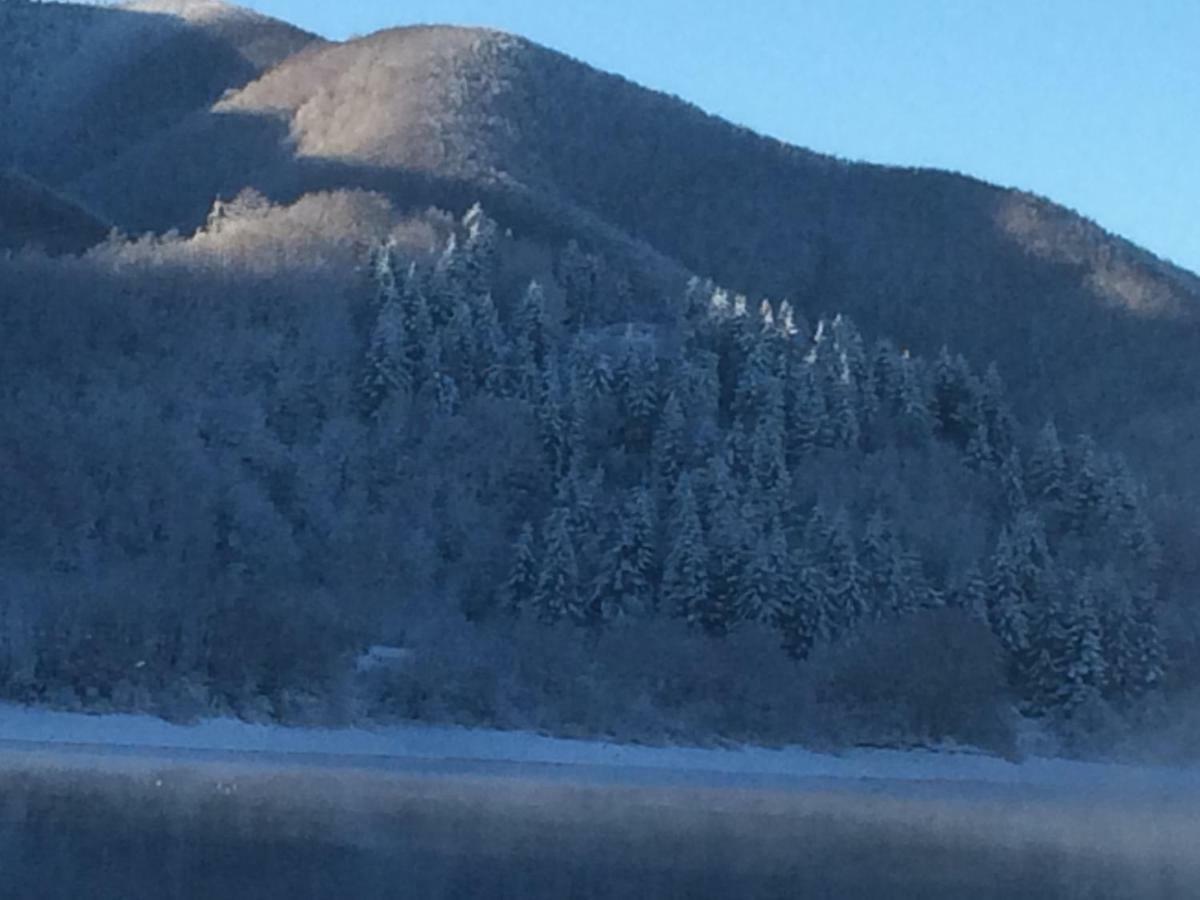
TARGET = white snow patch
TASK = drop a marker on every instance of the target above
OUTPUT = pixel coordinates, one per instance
(194, 11)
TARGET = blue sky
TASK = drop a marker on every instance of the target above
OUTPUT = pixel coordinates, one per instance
(1094, 103)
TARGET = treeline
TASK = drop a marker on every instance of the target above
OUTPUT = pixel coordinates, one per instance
(220, 489)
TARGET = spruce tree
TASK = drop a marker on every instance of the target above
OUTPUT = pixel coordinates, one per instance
(807, 618)
(531, 329)
(767, 583)
(637, 395)
(889, 584)
(1012, 484)
(914, 416)
(520, 588)
(851, 353)
(806, 415)
(448, 284)
(577, 273)
(669, 451)
(699, 387)
(1084, 672)
(489, 348)
(478, 264)
(553, 418)
(1044, 680)
(718, 491)
(847, 598)
(387, 371)
(843, 429)
(954, 400)
(1008, 605)
(768, 455)
(418, 328)
(624, 588)
(1086, 488)
(886, 376)
(685, 589)
(997, 413)
(1147, 652)
(730, 542)
(558, 589)
(1046, 476)
(754, 375)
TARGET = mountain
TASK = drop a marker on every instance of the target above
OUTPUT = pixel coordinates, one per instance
(367, 434)
(1086, 327)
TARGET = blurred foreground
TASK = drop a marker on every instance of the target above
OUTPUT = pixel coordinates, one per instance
(90, 823)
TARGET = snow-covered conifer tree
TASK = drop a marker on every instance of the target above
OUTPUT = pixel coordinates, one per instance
(1086, 488)
(767, 583)
(637, 389)
(448, 285)
(1008, 605)
(625, 585)
(806, 419)
(847, 597)
(1012, 482)
(915, 417)
(768, 456)
(685, 589)
(577, 273)
(531, 330)
(387, 370)
(1046, 476)
(997, 412)
(886, 375)
(955, 400)
(807, 617)
(418, 328)
(517, 593)
(669, 451)
(490, 348)
(558, 589)
(554, 429)
(478, 264)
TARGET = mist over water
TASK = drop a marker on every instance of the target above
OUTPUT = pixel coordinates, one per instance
(230, 831)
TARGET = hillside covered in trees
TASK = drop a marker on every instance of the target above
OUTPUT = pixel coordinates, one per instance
(231, 496)
(399, 358)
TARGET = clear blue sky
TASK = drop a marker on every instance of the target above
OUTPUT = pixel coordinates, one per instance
(1094, 103)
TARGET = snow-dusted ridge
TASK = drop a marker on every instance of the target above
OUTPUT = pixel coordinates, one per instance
(23, 729)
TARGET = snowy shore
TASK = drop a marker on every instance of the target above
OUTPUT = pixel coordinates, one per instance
(26, 730)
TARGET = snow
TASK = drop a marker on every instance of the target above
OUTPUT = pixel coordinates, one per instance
(23, 729)
(194, 11)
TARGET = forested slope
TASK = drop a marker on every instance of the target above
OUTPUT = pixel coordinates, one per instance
(287, 473)
(948, 464)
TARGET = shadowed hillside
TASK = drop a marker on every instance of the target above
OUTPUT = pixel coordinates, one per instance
(32, 214)
(82, 83)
